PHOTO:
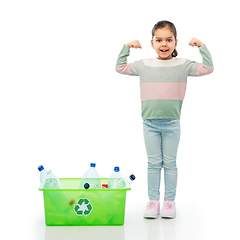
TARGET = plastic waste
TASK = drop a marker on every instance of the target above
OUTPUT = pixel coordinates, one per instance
(114, 178)
(124, 182)
(89, 186)
(48, 180)
(91, 177)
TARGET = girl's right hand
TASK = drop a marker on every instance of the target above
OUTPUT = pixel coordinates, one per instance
(134, 44)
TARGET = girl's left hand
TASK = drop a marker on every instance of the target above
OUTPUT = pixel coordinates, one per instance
(196, 43)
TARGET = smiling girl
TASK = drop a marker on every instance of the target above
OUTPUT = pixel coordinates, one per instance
(163, 83)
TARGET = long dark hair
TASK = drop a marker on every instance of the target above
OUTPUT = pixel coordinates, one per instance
(171, 26)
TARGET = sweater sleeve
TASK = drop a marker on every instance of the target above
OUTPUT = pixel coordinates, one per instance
(123, 67)
(204, 68)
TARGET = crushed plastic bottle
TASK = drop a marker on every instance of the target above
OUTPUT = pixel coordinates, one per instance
(48, 180)
(124, 182)
(59, 199)
(91, 177)
(114, 178)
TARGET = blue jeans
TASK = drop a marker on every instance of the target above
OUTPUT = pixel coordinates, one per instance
(161, 138)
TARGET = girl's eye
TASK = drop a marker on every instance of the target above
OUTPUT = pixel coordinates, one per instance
(169, 40)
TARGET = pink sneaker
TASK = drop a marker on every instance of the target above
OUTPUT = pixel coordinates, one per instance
(153, 209)
(168, 210)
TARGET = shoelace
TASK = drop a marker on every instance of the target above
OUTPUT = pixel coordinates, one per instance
(150, 205)
(168, 206)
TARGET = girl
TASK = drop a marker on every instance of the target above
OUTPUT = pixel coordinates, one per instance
(163, 83)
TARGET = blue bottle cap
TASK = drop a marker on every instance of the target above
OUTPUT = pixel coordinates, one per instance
(93, 165)
(116, 169)
(132, 177)
(40, 168)
(86, 186)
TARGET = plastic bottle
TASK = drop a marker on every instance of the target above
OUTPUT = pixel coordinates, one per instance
(91, 177)
(114, 178)
(124, 182)
(48, 180)
(59, 199)
(89, 186)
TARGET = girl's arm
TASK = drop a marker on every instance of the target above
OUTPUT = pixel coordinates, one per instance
(122, 66)
(206, 67)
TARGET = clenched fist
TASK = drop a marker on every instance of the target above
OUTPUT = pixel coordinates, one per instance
(196, 43)
(134, 44)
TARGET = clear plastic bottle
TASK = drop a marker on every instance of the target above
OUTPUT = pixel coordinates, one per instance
(91, 177)
(48, 180)
(124, 182)
(59, 199)
(89, 186)
(114, 178)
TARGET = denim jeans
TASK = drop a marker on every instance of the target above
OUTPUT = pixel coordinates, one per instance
(161, 138)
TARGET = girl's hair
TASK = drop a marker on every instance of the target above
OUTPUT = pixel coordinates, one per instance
(171, 26)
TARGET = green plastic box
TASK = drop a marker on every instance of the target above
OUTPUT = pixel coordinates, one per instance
(72, 206)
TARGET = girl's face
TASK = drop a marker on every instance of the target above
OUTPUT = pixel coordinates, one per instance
(164, 43)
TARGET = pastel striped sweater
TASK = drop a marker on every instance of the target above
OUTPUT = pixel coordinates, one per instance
(163, 82)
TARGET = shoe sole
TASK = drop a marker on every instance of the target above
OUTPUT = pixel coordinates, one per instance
(168, 216)
(151, 217)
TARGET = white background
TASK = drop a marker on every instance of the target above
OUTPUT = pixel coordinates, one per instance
(63, 105)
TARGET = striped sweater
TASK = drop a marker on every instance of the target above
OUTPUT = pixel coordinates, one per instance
(163, 82)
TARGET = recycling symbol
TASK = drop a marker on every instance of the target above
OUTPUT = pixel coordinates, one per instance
(83, 207)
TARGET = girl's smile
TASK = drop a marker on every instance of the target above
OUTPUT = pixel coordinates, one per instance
(164, 43)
